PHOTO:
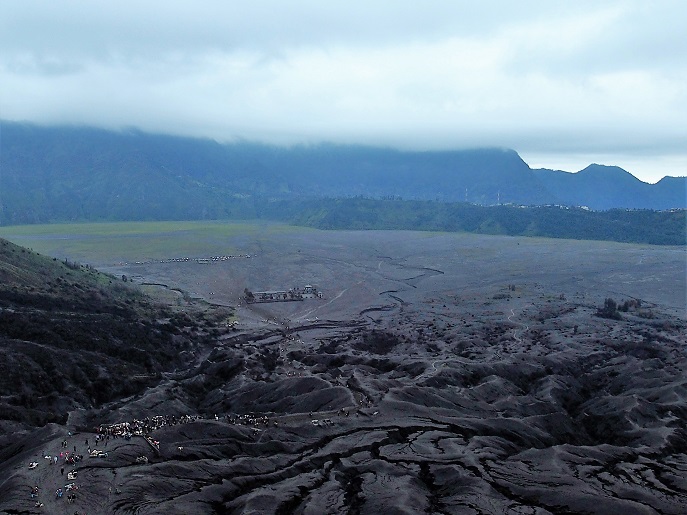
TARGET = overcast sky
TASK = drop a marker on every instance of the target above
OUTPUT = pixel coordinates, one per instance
(564, 83)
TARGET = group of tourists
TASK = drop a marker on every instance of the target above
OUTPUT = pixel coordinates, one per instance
(247, 420)
(61, 461)
(141, 427)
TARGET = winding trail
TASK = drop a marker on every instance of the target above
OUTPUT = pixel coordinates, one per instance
(515, 331)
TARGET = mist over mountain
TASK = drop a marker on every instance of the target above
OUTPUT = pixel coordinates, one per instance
(81, 173)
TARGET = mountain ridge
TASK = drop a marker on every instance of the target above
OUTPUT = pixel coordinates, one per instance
(81, 173)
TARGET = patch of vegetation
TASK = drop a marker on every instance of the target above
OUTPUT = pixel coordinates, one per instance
(114, 241)
(630, 226)
(609, 310)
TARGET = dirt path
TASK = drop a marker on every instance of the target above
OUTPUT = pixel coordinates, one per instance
(515, 331)
(311, 311)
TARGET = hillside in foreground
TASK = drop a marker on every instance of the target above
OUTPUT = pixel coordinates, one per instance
(73, 338)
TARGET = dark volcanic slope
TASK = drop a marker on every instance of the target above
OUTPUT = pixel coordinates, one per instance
(434, 413)
(428, 380)
(71, 337)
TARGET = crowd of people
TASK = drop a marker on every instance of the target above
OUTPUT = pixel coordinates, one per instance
(60, 461)
(210, 259)
(141, 427)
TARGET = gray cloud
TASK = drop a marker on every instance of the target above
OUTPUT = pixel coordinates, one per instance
(560, 81)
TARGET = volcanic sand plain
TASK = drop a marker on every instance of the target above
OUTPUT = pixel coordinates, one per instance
(440, 373)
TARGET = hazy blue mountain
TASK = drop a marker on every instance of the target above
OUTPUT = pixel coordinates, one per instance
(480, 175)
(607, 187)
(80, 173)
(670, 192)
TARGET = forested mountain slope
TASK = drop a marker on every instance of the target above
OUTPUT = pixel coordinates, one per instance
(77, 173)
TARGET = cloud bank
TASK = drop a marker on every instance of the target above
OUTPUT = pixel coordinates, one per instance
(562, 83)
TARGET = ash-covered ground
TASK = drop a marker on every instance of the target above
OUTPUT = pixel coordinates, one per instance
(439, 374)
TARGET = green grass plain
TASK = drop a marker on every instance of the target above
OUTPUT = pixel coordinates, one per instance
(126, 241)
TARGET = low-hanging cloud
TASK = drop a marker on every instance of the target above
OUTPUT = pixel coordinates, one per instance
(589, 79)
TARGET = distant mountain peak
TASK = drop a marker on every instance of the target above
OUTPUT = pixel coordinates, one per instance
(599, 168)
(606, 173)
